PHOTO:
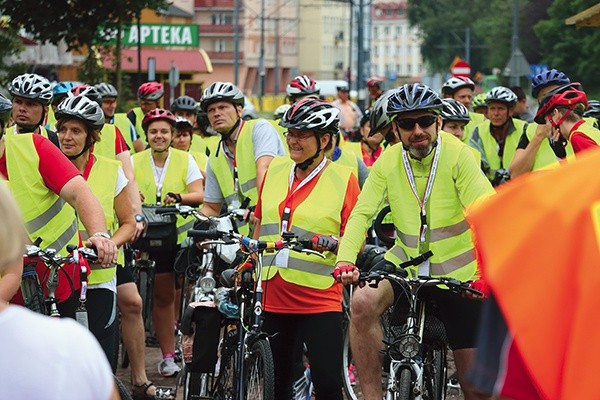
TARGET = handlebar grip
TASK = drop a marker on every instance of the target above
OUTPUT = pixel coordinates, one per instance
(205, 234)
(165, 210)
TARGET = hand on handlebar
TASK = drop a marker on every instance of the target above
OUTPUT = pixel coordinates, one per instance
(106, 249)
(171, 198)
(346, 273)
(322, 243)
(481, 286)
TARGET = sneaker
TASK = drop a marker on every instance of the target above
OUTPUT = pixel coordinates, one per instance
(351, 375)
(168, 367)
(302, 388)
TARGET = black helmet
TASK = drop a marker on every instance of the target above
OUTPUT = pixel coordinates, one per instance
(184, 103)
(593, 109)
(413, 97)
(455, 111)
(88, 91)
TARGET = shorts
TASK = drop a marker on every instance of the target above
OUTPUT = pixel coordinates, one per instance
(459, 315)
(164, 260)
(124, 274)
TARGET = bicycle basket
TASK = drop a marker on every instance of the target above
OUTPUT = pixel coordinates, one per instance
(161, 233)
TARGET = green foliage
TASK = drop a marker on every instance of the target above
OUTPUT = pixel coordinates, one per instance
(10, 45)
(575, 51)
(91, 70)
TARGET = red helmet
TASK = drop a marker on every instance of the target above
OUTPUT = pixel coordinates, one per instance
(567, 96)
(151, 91)
(374, 81)
(158, 114)
(302, 85)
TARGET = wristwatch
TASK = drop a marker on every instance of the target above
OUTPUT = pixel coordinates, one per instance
(140, 218)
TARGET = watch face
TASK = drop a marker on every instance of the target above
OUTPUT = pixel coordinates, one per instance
(139, 218)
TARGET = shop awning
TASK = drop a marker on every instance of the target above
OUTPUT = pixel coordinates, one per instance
(588, 17)
(187, 61)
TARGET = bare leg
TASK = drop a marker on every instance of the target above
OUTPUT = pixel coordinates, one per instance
(366, 335)
(163, 311)
(463, 358)
(132, 331)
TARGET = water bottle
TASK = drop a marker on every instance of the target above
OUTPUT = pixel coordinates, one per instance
(33, 295)
(224, 303)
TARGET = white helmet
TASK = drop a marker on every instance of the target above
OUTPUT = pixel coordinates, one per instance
(302, 85)
(455, 83)
(501, 94)
(279, 111)
(81, 107)
(221, 91)
(33, 87)
(455, 111)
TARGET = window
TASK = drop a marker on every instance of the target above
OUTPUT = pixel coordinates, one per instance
(221, 19)
(386, 31)
(398, 31)
(376, 51)
(219, 46)
(375, 31)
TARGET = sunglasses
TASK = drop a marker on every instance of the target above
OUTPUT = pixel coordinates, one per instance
(409, 123)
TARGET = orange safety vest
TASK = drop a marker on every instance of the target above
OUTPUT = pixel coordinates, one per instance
(538, 243)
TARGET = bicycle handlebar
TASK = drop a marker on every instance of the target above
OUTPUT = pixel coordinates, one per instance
(51, 255)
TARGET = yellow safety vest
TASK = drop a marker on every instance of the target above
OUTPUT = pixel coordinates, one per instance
(319, 213)
(354, 147)
(589, 129)
(476, 119)
(174, 182)
(201, 159)
(545, 156)
(106, 146)
(46, 215)
(103, 181)
(349, 160)
(121, 121)
(490, 146)
(11, 130)
(448, 235)
(139, 117)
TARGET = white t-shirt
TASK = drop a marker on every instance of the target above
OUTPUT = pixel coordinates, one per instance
(48, 358)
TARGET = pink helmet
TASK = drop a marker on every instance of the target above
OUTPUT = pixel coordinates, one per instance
(156, 115)
(151, 91)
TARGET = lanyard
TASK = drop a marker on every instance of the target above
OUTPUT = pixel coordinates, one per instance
(287, 208)
(232, 158)
(159, 179)
(428, 188)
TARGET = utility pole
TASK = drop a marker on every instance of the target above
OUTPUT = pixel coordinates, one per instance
(261, 62)
(360, 78)
(276, 66)
(514, 78)
(236, 41)
(468, 45)
(350, 35)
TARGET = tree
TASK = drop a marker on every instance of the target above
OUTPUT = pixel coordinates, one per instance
(10, 45)
(573, 50)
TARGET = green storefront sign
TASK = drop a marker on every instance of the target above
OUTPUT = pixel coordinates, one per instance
(156, 35)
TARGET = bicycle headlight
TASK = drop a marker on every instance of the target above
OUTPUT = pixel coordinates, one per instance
(408, 346)
(207, 284)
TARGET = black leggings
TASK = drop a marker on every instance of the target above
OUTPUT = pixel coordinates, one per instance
(322, 334)
(103, 322)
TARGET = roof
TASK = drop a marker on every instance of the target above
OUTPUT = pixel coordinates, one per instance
(187, 61)
(174, 11)
(588, 17)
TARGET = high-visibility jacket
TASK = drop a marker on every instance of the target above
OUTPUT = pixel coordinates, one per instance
(103, 181)
(199, 145)
(489, 145)
(11, 130)
(319, 213)
(174, 182)
(354, 147)
(121, 121)
(476, 119)
(349, 160)
(588, 129)
(280, 131)
(201, 159)
(46, 215)
(106, 146)
(139, 117)
(538, 241)
(545, 156)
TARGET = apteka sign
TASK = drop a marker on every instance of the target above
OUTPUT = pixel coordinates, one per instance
(157, 35)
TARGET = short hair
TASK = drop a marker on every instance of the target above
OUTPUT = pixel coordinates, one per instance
(93, 135)
(518, 90)
(12, 230)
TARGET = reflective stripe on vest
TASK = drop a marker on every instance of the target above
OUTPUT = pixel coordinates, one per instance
(449, 237)
(103, 181)
(320, 213)
(106, 146)
(45, 214)
(490, 146)
(175, 181)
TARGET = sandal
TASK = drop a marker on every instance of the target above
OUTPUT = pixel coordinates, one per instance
(140, 392)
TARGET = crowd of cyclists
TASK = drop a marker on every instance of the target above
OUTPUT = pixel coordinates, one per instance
(80, 173)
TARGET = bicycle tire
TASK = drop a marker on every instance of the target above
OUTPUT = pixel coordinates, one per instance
(377, 225)
(404, 385)
(123, 392)
(260, 374)
(225, 383)
(351, 390)
(436, 374)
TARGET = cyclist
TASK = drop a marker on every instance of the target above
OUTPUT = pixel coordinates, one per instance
(279, 111)
(187, 107)
(31, 95)
(237, 169)
(350, 114)
(479, 105)
(375, 89)
(521, 110)
(497, 139)
(60, 91)
(183, 140)
(302, 86)
(313, 197)
(564, 111)
(380, 122)
(593, 110)
(535, 149)
(461, 88)
(79, 121)
(166, 176)
(149, 95)
(61, 356)
(110, 97)
(430, 179)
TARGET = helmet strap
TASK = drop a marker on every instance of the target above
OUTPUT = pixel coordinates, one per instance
(308, 162)
(225, 136)
(32, 128)
(85, 148)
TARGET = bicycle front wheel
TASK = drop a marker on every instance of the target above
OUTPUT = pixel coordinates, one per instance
(260, 376)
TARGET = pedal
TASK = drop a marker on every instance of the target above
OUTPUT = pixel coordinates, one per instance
(166, 393)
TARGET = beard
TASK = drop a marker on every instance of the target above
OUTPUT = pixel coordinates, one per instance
(420, 152)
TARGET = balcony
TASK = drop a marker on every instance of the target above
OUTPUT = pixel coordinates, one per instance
(223, 57)
(218, 30)
(215, 4)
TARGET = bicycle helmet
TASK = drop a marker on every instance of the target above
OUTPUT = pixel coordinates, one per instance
(501, 94)
(478, 101)
(33, 87)
(378, 115)
(413, 97)
(88, 91)
(183, 123)
(569, 97)
(374, 81)
(152, 91)
(279, 111)
(62, 89)
(5, 113)
(547, 78)
(184, 103)
(159, 114)
(454, 110)
(82, 108)
(302, 85)
(455, 83)
(106, 90)
(593, 109)
(221, 91)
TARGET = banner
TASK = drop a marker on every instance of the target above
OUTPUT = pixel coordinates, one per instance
(154, 35)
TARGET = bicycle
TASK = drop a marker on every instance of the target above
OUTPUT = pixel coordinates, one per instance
(245, 366)
(415, 348)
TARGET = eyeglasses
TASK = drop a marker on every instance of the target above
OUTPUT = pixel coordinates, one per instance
(409, 123)
(298, 136)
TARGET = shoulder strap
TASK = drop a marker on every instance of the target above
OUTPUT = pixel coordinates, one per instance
(53, 136)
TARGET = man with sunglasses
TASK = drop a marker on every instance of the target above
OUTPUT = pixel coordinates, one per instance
(430, 179)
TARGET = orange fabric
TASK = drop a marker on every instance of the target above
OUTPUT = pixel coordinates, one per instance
(538, 245)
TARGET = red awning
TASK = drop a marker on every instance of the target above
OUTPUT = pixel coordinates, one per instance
(187, 61)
